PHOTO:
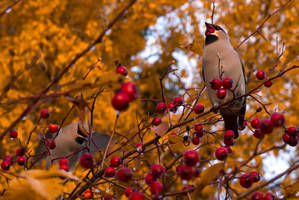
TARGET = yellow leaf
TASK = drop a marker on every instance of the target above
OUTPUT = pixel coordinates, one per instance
(208, 175)
(176, 143)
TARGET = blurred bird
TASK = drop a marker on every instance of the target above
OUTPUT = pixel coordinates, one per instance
(220, 60)
(71, 139)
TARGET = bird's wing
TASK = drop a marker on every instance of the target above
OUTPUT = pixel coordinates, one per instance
(98, 142)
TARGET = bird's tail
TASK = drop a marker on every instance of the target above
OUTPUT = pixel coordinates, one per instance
(231, 122)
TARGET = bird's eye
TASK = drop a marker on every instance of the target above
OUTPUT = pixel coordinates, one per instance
(210, 30)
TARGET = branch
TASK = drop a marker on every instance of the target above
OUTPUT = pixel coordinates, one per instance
(9, 7)
(257, 30)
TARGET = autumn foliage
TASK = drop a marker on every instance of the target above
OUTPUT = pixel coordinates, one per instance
(136, 64)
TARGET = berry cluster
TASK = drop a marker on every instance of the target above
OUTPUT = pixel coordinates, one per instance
(260, 196)
(198, 134)
(128, 93)
(221, 86)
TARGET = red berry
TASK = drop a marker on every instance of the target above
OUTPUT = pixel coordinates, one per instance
(63, 161)
(87, 161)
(108, 197)
(197, 172)
(129, 191)
(229, 142)
(171, 106)
(292, 130)
(156, 121)
(21, 160)
(120, 101)
(186, 172)
(256, 196)
(124, 174)
(139, 147)
(115, 161)
(161, 108)
(229, 134)
(110, 172)
(268, 83)
(130, 89)
(122, 70)
(269, 196)
(5, 165)
(286, 138)
(221, 153)
(156, 188)
(53, 128)
(277, 119)
(178, 101)
(149, 178)
(245, 180)
(254, 176)
(20, 151)
(198, 109)
(260, 75)
(136, 196)
(64, 167)
(195, 140)
(266, 126)
(178, 168)
(216, 84)
(258, 134)
(44, 113)
(255, 122)
(221, 93)
(191, 158)
(198, 128)
(51, 144)
(157, 170)
(227, 83)
(294, 141)
(13, 133)
(229, 149)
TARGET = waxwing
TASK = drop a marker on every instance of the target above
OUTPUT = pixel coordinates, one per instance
(220, 61)
(70, 141)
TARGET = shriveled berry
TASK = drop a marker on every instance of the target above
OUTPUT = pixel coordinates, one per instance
(45, 113)
(260, 75)
(255, 122)
(221, 153)
(120, 101)
(161, 108)
(156, 121)
(221, 93)
(245, 180)
(277, 119)
(197, 172)
(115, 161)
(87, 161)
(198, 109)
(191, 158)
(124, 174)
(216, 84)
(227, 83)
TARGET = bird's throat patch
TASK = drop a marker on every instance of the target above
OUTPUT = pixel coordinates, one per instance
(210, 39)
